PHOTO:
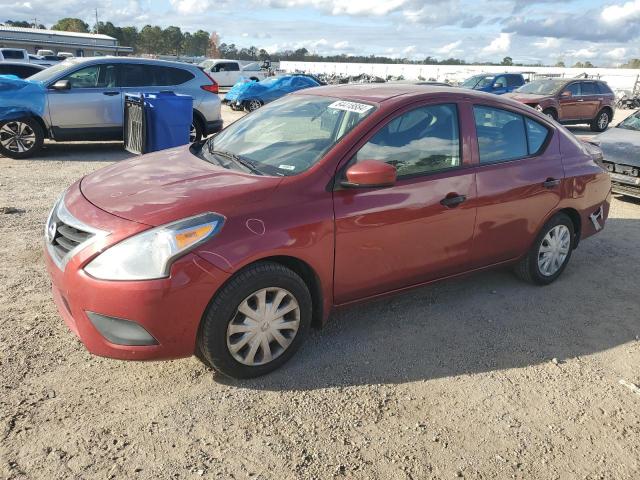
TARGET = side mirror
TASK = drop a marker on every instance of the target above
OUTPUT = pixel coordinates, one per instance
(566, 94)
(61, 85)
(370, 173)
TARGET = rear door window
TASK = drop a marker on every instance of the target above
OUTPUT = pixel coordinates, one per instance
(133, 75)
(589, 88)
(419, 142)
(501, 135)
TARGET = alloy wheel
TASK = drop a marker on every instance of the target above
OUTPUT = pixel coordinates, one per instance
(603, 120)
(554, 250)
(254, 105)
(193, 133)
(263, 327)
(17, 137)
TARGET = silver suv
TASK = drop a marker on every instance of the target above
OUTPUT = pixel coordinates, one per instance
(85, 101)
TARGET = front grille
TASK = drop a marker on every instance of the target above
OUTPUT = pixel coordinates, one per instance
(65, 235)
(68, 238)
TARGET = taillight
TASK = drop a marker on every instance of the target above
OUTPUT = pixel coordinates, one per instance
(213, 87)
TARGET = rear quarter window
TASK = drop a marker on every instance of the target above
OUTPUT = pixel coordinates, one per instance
(604, 89)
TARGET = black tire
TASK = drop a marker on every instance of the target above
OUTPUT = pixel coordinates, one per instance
(550, 112)
(252, 105)
(528, 268)
(601, 122)
(196, 133)
(33, 128)
(212, 336)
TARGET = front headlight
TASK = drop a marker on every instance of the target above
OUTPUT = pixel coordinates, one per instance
(149, 255)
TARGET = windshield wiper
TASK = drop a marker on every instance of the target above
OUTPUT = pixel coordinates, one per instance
(238, 159)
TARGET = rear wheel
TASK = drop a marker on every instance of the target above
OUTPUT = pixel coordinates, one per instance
(601, 122)
(21, 138)
(550, 253)
(256, 322)
(195, 132)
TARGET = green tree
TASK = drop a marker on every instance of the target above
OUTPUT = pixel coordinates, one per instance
(560, 64)
(71, 25)
(633, 63)
(150, 39)
(507, 61)
(172, 40)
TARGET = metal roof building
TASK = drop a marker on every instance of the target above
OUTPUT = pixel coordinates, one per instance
(79, 44)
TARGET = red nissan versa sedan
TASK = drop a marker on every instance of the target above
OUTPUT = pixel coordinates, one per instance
(233, 247)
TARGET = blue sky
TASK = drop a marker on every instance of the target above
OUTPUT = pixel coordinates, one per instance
(603, 32)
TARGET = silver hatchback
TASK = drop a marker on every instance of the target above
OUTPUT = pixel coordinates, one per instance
(85, 101)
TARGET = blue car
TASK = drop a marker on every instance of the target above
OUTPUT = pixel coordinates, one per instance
(499, 83)
(251, 95)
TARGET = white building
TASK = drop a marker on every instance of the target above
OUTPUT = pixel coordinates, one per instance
(79, 44)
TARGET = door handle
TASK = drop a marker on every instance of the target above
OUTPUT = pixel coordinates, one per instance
(110, 94)
(551, 182)
(453, 200)
(581, 100)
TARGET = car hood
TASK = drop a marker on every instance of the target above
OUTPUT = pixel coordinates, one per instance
(526, 97)
(165, 186)
(620, 146)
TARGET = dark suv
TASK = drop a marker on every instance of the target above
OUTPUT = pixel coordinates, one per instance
(570, 102)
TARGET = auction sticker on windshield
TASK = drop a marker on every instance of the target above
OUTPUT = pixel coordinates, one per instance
(351, 106)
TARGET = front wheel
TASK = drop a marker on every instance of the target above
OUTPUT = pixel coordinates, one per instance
(21, 138)
(550, 112)
(550, 253)
(252, 105)
(601, 122)
(256, 322)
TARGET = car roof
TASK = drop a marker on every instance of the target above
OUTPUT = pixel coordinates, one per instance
(379, 92)
(113, 59)
(400, 94)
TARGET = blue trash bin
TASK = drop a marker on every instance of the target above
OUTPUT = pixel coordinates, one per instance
(157, 121)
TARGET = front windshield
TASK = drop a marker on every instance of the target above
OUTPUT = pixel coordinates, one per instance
(478, 81)
(631, 123)
(50, 73)
(545, 86)
(288, 136)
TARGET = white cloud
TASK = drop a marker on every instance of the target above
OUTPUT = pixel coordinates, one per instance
(449, 48)
(409, 50)
(583, 53)
(189, 7)
(624, 13)
(341, 45)
(500, 44)
(617, 53)
(548, 42)
(341, 7)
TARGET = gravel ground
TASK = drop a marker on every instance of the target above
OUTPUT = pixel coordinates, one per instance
(482, 377)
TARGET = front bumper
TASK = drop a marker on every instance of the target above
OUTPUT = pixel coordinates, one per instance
(169, 309)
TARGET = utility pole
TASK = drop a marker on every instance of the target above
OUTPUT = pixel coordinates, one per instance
(97, 24)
